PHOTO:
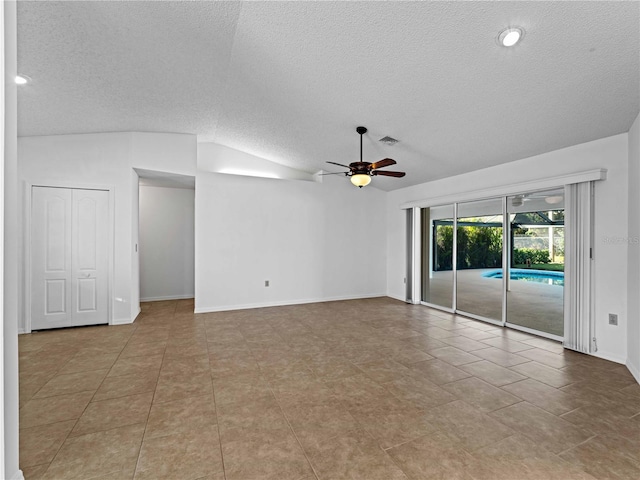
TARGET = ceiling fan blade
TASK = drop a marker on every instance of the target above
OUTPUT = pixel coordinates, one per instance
(335, 173)
(383, 163)
(388, 174)
(340, 165)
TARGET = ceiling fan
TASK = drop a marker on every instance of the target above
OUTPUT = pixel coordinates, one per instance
(551, 198)
(361, 172)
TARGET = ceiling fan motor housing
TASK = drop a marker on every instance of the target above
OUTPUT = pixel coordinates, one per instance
(360, 168)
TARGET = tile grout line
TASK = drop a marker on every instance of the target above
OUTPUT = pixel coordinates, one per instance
(286, 419)
(146, 423)
(215, 406)
(577, 445)
(386, 452)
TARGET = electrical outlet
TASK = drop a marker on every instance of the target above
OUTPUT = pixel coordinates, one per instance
(613, 319)
(266, 283)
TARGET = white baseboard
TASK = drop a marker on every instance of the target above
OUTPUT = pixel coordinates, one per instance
(283, 303)
(635, 371)
(122, 321)
(18, 475)
(170, 297)
(395, 297)
(609, 356)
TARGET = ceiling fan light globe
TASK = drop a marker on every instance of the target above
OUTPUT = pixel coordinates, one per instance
(552, 200)
(360, 180)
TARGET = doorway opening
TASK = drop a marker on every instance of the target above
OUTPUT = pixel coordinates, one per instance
(166, 235)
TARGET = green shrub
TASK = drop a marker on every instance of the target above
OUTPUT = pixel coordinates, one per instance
(478, 247)
(521, 255)
(484, 247)
(444, 253)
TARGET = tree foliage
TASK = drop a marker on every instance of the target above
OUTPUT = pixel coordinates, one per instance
(478, 247)
(481, 246)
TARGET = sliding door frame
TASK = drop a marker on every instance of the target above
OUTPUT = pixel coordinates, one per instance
(528, 187)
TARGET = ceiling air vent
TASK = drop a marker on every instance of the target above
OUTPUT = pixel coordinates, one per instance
(388, 140)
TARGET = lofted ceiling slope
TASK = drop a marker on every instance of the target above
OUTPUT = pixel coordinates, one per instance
(290, 81)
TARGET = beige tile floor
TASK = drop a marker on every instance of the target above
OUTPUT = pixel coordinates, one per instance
(363, 389)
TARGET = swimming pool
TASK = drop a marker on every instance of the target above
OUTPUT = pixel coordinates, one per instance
(539, 276)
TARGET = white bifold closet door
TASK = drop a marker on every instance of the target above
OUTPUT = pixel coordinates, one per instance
(69, 257)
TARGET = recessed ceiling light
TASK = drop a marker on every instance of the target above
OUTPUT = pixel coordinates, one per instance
(510, 36)
(22, 79)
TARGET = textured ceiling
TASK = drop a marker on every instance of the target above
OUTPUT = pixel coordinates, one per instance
(290, 81)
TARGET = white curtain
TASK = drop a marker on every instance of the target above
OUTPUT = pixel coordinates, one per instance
(578, 312)
(414, 246)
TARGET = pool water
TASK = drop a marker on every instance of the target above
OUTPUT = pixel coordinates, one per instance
(539, 276)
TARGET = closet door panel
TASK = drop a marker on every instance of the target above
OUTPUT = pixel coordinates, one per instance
(90, 257)
(50, 258)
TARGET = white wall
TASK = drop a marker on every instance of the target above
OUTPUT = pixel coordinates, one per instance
(312, 241)
(164, 152)
(166, 243)
(107, 160)
(610, 221)
(220, 159)
(633, 272)
(11, 250)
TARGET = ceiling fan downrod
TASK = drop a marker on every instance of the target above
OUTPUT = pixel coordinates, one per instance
(361, 131)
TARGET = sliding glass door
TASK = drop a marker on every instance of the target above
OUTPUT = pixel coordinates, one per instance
(500, 260)
(437, 255)
(535, 290)
(479, 259)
